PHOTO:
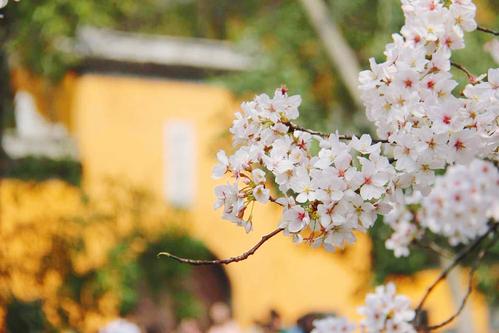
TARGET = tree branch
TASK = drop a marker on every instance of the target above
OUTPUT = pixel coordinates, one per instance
(468, 291)
(294, 127)
(227, 261)
(489, 31)
(434, 248)
(461, 256)
(471, 77)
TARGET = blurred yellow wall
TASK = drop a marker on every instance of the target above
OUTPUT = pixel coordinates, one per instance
(119, 124)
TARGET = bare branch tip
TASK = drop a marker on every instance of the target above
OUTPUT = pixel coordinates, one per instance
(166, 254)
(227, 261)
(487, 30)
(492, 230)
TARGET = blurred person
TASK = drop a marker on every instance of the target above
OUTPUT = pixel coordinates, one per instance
(304, 324)
(222, 321)
(274, 323)
(188, 326)
(255, 328)
(120, 326)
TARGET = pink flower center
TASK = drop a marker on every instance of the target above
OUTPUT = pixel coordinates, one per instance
(408, 83)
(459, 145)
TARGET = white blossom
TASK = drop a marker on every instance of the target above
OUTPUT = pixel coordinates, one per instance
(385, 311)
(410, 97)
(462, 202)
(329, 186)
(261, 194)
(333, 325)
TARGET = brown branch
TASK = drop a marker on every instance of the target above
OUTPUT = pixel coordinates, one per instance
(468, 291)
(337, 49)
(471, 78)
(461, 307)
(293, 127)
(227, 261)
(460, 257)
(489, 31)
(274, 200)
(433, 248)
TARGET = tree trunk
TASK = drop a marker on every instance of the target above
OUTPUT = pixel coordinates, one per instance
(5, 105)
(339, 52)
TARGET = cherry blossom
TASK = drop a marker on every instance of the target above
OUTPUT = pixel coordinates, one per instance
(383, 311)
(462, 202)
(333, 325)
(386, 311)
(410, 99)
(330, 186)
(332, 192)
(433, 169)
(405, 231)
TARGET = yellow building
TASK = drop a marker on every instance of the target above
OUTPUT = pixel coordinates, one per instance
(162, 134)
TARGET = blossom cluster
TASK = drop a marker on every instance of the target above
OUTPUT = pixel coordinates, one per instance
(410, 99)
(384, 311)
(387, 311)
(459, 207)
(405, 231)
(328, 188)
(462, 202)
(333, 325)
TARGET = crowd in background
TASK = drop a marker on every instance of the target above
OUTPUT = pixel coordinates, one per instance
(222, 322)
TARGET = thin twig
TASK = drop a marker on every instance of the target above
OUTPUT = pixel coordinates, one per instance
(274, 200)
(434, 248)
(241, 257)
(471, 77)
(461, 306)
(468, 291)
(294, 127)
(461, 256)
(489, 31)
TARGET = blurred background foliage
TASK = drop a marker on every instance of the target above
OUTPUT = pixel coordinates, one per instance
(42, 168)
(287, 51)
(76, 265)
(276, 32)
